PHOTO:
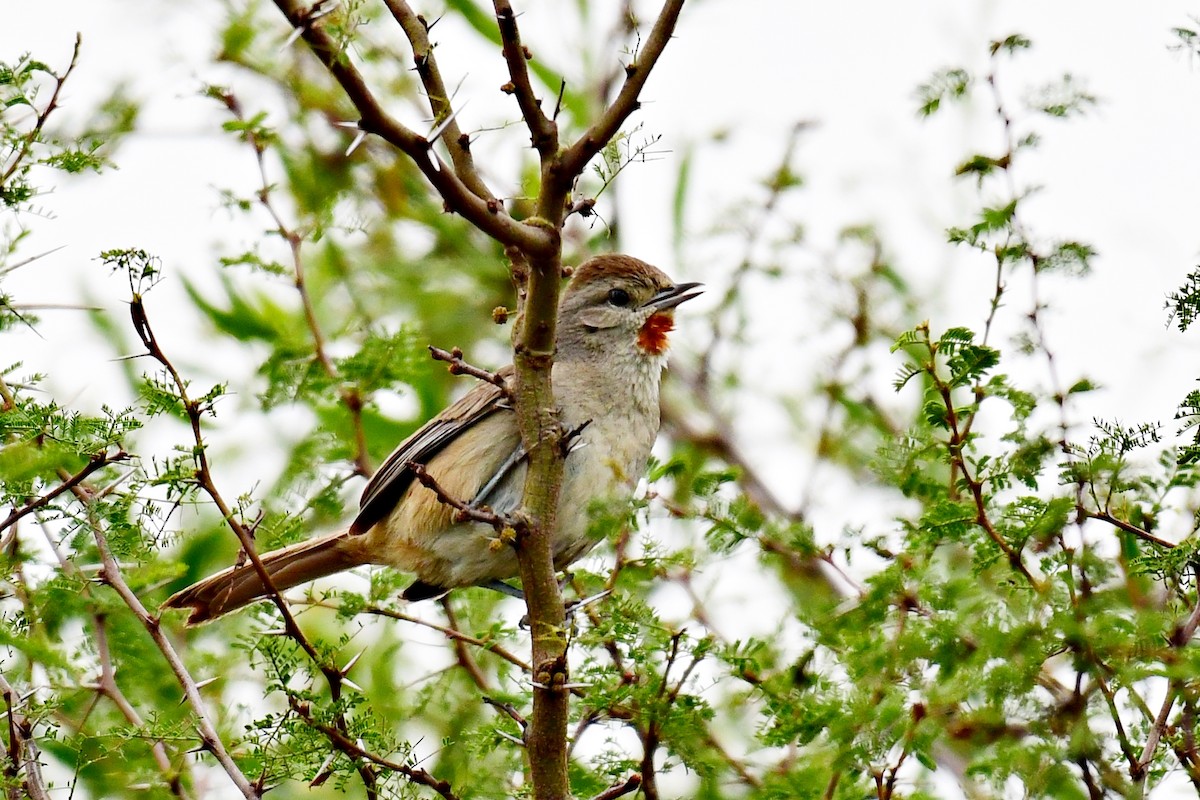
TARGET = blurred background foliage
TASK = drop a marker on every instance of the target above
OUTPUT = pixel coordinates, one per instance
(1012, 624)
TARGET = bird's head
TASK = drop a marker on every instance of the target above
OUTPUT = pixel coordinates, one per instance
(619, 304)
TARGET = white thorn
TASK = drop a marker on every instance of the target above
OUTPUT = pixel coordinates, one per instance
(292, 37)
(436, 132)
(509, 737)
(350, 664)
(357, 141)
(323, 772)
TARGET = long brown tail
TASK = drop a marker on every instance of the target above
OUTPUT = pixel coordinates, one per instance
(290, 566)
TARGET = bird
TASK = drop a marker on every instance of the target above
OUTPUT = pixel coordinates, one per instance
(614, 318)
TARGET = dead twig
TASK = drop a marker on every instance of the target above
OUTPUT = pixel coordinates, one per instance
(355, 751)
(465, 512)
(454, 358)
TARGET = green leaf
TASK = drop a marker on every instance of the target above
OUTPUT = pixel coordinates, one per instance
(1011, 44)
(947, 84)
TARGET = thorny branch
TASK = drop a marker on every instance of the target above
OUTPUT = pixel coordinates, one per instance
(637, 72)
(1021, 241)
(205, 481)
(542, 130)
(1181, 637)
(209, 738)
(488, 215)
(956, 448)
(352, 749)
(96, 462)
(534, 344)
(23, 754)
(106, 685)
(628, 675)
(651, 731)
(463, 511)
(28, 141)
(538, 245)
(458, 143)
(350, 396)
(333, 675)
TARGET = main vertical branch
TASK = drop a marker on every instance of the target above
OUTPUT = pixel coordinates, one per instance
(546, 735)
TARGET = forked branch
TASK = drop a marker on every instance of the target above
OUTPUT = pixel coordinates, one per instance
(458, 144)
(487, 215)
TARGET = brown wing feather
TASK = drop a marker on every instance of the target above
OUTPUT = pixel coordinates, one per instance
(388, 485)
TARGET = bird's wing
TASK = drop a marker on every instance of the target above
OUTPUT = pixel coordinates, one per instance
(393, 478)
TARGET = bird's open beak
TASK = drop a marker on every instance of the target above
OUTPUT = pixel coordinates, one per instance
(673, 296)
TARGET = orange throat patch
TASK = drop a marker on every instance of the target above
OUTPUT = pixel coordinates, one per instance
(653, 336)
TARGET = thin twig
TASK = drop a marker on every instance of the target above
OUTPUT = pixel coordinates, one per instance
(463, 511)
(627, 786)
(736, 764)
(28, 140)
(459, 367)
(1179, 639)
(355, 751)
(955, 447)
(107, 686)
(211, 740)
(1128, 527)
(543, 131)
(23, 753)
(509, 710)
(450, 633)
(97, 461)
(461, 653)
(1110, 699)
(637, 72)
(348, 395)
(204, 479)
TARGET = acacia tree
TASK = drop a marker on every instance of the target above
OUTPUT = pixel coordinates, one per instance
(1024, 620)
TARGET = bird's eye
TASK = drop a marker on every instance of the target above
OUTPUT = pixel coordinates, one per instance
(618, 297)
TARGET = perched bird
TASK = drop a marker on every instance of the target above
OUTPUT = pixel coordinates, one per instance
(614, 317)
